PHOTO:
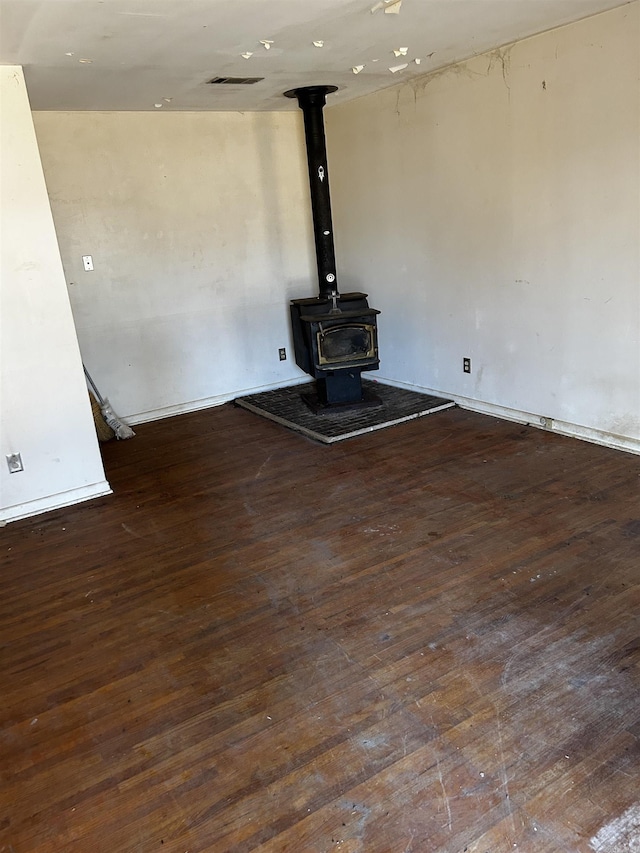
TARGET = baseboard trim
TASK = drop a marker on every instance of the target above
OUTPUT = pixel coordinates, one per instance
(583, 433)
(594, 436)
(206, 403)
(51, 502)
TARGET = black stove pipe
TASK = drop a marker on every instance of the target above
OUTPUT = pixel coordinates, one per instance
(311, 100)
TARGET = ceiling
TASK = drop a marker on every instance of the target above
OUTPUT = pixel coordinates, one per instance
(159, 54)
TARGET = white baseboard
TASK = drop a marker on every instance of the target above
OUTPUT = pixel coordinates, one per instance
(595, 436)
(206, 403)
(51, 502)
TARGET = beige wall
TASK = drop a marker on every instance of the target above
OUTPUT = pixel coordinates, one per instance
(493, 211)
(44, 407)
(199, 227)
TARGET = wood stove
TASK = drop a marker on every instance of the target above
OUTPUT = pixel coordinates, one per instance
(335, 335)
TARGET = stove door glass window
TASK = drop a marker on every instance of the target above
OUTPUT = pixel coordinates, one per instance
(343, 343)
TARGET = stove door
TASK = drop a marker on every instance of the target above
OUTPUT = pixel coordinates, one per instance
(346, 344)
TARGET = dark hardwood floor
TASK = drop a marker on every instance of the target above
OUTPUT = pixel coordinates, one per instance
(423, 639)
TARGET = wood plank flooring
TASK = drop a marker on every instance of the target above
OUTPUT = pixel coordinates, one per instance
(423, 639)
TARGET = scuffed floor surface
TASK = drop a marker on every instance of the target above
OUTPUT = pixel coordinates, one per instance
(422, 639)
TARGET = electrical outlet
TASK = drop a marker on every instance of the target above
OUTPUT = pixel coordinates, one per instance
(282, 353)
(87, 262)
(14, 463)
(466, 365)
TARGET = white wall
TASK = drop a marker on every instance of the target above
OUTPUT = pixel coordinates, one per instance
(199, 225)
(492, 211)
(44, 407)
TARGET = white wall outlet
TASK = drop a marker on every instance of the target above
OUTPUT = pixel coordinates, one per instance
(87, 261)
(14, 463)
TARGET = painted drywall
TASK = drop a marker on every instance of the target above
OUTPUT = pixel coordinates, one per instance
(492, 211)
(199, 226)
(45, 413)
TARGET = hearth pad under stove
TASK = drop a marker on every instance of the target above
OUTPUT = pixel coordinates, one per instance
(285, 406)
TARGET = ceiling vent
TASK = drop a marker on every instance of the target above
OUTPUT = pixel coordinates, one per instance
(235, 81)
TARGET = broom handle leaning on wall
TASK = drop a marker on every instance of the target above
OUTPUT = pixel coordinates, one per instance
(93, 386)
